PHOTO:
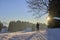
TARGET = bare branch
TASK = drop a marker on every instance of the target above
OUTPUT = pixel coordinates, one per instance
(37, 6)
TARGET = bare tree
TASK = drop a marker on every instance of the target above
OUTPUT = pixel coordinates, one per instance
(39, 7)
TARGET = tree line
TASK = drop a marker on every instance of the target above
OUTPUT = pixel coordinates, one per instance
(21, 25)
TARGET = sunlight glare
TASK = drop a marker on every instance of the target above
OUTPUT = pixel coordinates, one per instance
(48, 18)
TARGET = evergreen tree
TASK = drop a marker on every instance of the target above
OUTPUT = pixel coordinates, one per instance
(1, 26)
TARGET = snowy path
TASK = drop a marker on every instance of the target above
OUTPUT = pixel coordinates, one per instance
(37, 36)
(22, 36)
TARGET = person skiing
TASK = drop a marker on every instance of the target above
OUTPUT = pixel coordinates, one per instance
(37, 26)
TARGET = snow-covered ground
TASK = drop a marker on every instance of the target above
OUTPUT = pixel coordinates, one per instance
(49, 34)
(53, 34)
(36, 35)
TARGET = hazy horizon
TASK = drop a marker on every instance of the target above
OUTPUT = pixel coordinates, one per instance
(11, 10)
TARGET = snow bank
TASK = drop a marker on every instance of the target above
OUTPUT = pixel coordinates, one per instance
(53, 34)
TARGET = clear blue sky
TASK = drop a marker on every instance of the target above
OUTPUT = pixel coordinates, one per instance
(15, 10)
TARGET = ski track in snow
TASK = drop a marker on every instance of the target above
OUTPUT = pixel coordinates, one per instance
(23, 36)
